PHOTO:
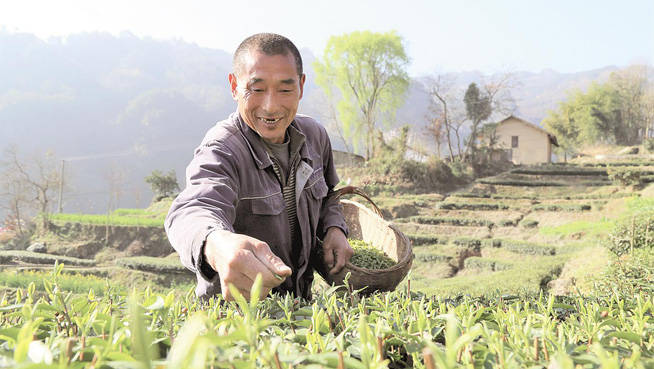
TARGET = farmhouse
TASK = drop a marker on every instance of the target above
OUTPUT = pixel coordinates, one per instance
(525, 142)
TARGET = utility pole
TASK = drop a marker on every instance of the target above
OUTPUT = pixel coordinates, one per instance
(61, 186)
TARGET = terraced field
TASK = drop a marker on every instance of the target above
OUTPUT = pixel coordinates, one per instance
(508, 233)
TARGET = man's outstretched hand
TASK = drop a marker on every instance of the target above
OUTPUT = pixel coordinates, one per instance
(336, 250)
(239, 258)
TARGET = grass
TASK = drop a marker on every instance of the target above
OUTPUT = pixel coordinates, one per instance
(112, 219)
(449, 221)
(527, 278)
(586, 228)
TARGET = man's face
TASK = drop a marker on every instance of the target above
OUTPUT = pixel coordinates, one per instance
(268, 91)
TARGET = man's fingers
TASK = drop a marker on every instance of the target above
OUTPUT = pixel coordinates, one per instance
(328, 257)
(254, 265)
(271, 261)
(339, 263)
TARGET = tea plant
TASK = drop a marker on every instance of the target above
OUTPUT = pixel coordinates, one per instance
(337, 329)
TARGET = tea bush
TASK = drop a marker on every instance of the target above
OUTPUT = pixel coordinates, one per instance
(152, 264)
(625, 176)
(13, 256)
(632, 233)
(337, 329)
(472, 222)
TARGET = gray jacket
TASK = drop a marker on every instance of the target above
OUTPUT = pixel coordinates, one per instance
(231, 185)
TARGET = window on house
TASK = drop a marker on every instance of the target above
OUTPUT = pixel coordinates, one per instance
(514, 142)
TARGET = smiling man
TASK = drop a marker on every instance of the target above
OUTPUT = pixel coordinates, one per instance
(259, 190)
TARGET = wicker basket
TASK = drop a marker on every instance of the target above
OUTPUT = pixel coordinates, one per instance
(364, 224)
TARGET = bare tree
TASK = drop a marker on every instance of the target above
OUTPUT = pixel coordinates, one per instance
(447, 109)
(498, 89)
(37, 174)
(16, 199)
(115, 177)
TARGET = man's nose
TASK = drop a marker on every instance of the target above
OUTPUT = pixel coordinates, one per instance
(270, 102)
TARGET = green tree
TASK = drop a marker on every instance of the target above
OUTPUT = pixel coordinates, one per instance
(163, 185)
(478, 109)
(615, 112)
(369, 71)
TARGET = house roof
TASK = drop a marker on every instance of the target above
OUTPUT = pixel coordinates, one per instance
(532, 125)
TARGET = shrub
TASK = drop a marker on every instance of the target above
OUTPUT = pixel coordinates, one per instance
(431, 258)
(627, 276)
(633, 233)
(507, 223)
(569, 171)
(471, 206)
(625, 176)
(530, 248)
(529, 223)
(421, 239)
(12, 256)
(648, 144)
(561, 207)
(152, 264)
(476, 262)
(468, 242)
(451, 221)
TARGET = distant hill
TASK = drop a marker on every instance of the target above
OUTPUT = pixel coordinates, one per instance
(128, 105)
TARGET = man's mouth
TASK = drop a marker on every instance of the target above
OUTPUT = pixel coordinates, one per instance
(269, 120)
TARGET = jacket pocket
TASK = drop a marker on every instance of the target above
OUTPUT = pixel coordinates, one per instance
(269, 205)
(318, 189)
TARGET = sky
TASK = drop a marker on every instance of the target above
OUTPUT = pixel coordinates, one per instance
(440, 36)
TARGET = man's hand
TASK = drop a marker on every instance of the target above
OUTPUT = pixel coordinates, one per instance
(239, 258)
(336, 250)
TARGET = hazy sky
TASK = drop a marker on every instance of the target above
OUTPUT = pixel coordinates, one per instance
(441, 36)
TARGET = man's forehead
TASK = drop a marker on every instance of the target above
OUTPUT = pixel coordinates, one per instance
(255, 62)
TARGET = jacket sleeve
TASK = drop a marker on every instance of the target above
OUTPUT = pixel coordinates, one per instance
(331, 213)
(207, 203)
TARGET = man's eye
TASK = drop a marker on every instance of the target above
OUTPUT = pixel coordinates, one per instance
(286, 91)
(257, 90)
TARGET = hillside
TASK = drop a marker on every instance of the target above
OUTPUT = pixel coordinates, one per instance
(102, 101)
(511, 271)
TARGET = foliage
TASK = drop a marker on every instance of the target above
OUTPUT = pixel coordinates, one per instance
(476, 262)
(478, 109)
(163, 185)
(648, 144)
(625, 176)
(426, 239)
(369, 71)
(110, 219)
(471, 206)
(336, 329)
(152, 264)
(13, 256)
(368, 256)
(632, 233)
(524, 247)
(434, 174)
(423, 219)
(561, 207)
(529, 223)
(627, 276)
(609, 113)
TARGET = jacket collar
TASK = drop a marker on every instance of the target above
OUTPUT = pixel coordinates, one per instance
(257, 149)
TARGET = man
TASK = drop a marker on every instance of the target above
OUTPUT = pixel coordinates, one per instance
(259, 190)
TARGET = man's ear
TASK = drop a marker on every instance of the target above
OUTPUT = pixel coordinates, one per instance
(302, 79)
(233, 85)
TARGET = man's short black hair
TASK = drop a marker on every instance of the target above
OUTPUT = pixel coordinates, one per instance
(269, 44)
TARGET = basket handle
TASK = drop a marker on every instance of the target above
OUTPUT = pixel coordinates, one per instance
(348, 190)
